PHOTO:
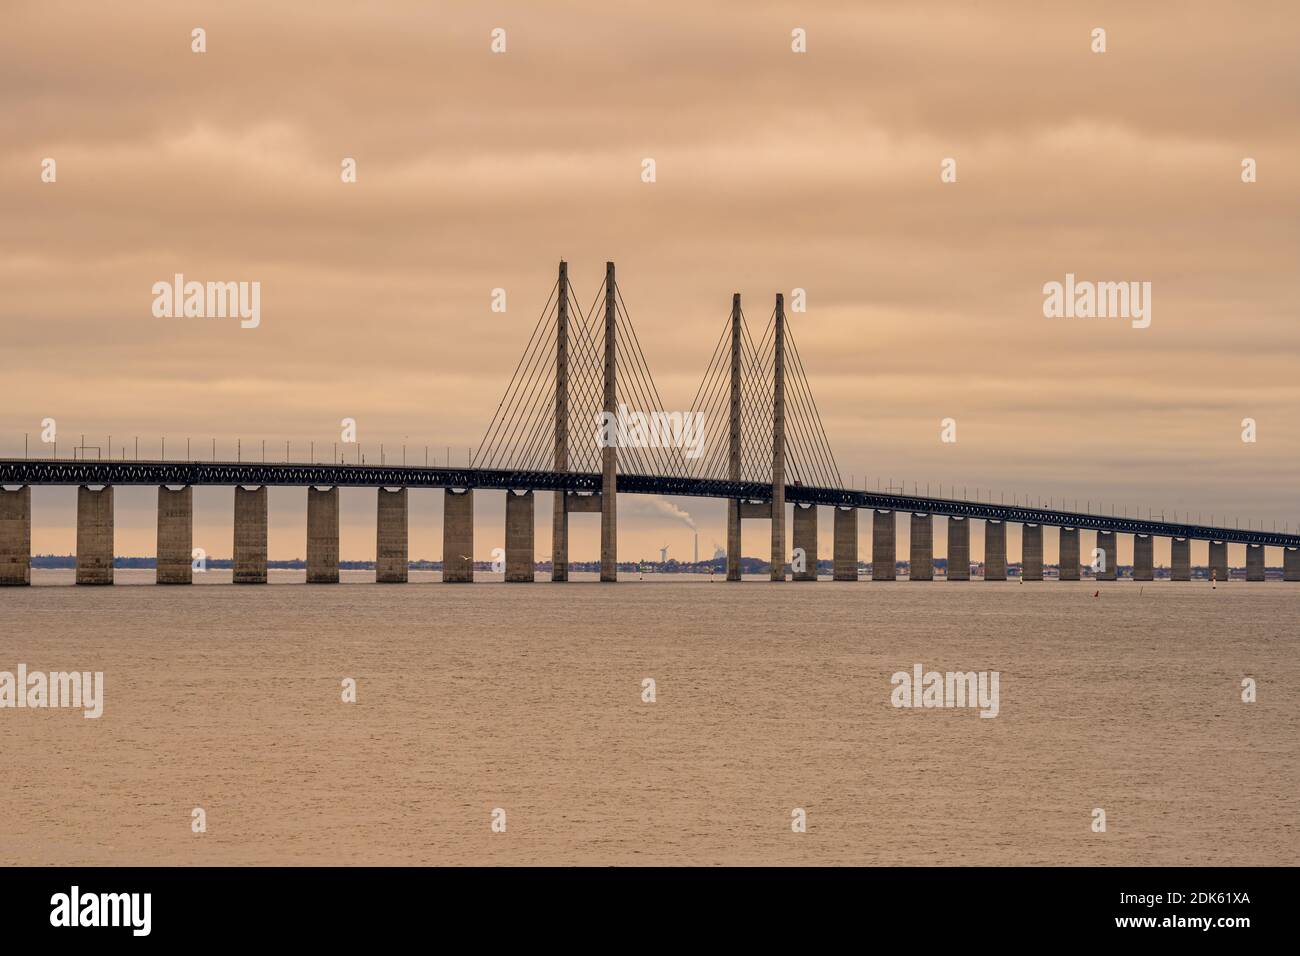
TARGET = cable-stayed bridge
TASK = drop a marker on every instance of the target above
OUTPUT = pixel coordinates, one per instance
(581, 417)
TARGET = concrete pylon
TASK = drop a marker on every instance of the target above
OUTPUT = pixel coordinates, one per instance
(1109, 559)
(392, 564)
(1291, 564)
(1144, 557)
(1218, 563)
(733, 445)
(16, 536)
(884, 551)
(458, 536)
(519, 536)
(609, 454)
(805, 539)
(995, 550)
(846, 544)
(95, 535)
(560, 518)
(1255, 562)
(958, 549)
(250, 535)
(175, 555)
(322, 535)
(1031, 552)
(778, 441)
(921, 559)
(1068, 562)
(1180, 559)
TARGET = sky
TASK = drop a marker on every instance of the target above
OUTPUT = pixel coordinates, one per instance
(774, 170)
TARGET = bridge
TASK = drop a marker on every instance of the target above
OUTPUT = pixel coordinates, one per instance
(759, 446)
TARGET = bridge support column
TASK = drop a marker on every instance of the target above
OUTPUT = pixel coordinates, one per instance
(1291, 564)
(519, 536)
(458, 536)
(921, 559)
(733, 540)
(884, 552)
(391, 550)
(175, 559)
(805, 539)
(95, 535)
(1219, 560)
(1180, 559)
(1068, 562)
(995, 550)
(1255, 562)
(323, 535)
(250, 535)
(958, 549)
(1109, 548)
(1144, 557)
(1031, 552)
(846, 544)
(16, 536)
(560, 539)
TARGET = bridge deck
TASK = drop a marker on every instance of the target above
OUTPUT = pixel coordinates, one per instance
(36, 471)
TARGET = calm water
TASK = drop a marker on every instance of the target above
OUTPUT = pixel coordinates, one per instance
(770, 697)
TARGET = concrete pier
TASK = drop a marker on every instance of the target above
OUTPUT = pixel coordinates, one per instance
(1068, 562)
(846, 544)
(778, 441)
(1031, 552)
(458, 536)
(884, 553)
(250, 535)
(95, 535)
(175, 535)
(1219, 560)
(805, 537)
(1291, 564)
(519, 536)
(921, 559)
(1144, 557)
(16, 536)
(958, 549)
(1108, 545)
(391, 550)
(323, 535)
(1254, 562)
(1180, 559)
(995, 550)
(609, 455)
(733, 539)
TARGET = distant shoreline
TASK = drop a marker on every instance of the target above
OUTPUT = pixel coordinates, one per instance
(716, 567)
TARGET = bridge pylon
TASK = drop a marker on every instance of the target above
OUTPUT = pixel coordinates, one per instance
(609, 453)
(560, 522)
(778, 442)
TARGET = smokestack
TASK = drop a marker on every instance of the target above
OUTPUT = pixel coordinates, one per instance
(697, 547)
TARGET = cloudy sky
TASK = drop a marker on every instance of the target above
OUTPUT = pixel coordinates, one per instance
(775, 170)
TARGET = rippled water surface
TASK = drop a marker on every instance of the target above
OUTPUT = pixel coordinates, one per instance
(769, 698)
